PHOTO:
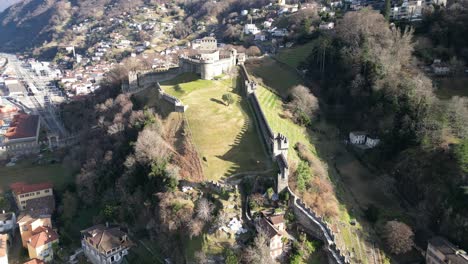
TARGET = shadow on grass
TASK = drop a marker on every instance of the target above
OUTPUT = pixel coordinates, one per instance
(247, 152)
(217, 101)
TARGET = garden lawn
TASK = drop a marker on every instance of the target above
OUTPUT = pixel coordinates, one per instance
(27, 171)
(295, 55)
(225, 136)
(272, 106)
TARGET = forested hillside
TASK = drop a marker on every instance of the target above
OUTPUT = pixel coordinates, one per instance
(369, 78)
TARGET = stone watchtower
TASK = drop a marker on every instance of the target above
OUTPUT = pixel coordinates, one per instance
(280, 145)
(280, 153)
(132, 80)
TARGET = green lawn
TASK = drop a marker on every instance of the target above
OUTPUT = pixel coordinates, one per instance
(224, 136)
(272, 106)
(279, 77)
(295, 55)
(29, 172)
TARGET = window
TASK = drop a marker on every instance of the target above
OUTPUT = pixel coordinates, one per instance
(21, 196)
(26, 195)
(37, 193)
(46, 191)
(23, 202)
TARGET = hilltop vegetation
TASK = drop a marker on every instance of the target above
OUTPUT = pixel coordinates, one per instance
(369, 80)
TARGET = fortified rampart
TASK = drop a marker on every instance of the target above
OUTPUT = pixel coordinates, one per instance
(138, 81)
(278, 148)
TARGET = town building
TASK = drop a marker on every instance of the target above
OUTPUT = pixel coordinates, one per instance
(32, 197)
(40, 245)
(31, 221)
(441, 251)
(363, 139)
(7, 222)
(273, 228)
(104, 244)
(251, 29)
(440, 68)
(23, 129)
(3, 249)
(357, 137)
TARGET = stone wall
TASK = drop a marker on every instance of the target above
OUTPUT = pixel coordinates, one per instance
(138, 81)
(278, 147)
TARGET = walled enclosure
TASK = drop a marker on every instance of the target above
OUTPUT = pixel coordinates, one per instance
(278, 148)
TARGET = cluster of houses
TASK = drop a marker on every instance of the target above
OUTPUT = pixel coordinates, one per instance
(101, 244)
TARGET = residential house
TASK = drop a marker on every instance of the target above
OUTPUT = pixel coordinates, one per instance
(40, 245)
(3, 249)
(251, 29)
(273, 227)
(327, 26)
(104, 244)
(357, 137)
(7, 222)
(29, 222)
(363, 139)
(23, 129)
(440, 68)
(441, 251)
(33, 196)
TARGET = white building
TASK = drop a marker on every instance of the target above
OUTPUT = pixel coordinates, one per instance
(251, 29)
(372, 142)
(327, 26)
(7, 222)
(357, 138)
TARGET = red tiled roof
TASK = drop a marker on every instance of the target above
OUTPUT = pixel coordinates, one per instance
(23, 126)
(21, 187)
(34, 261)
(276, 219)
(44, 235)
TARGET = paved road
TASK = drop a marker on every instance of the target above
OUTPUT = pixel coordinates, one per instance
(39, 102)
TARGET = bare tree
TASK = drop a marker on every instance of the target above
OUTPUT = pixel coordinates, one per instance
(195, 227)
(204, 209)
(398, 237)
(303, 102)
(259, 251)
(200, 257)
(150, 146)
(253, 51)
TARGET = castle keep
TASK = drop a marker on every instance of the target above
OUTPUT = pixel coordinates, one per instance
(208, 60)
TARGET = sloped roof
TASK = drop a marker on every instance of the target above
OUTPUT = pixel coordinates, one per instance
(23, 126)
(21, 187)
(105, 238)
(43, 236)
(34, 261)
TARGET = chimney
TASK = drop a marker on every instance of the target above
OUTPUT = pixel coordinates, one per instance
(107, 224)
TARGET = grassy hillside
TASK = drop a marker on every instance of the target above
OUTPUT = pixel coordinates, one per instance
(225, 136)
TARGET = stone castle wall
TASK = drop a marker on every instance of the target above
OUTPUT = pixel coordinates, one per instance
(278, 147)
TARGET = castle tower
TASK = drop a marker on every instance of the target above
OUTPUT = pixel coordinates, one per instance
(280, 145)
(132, 80)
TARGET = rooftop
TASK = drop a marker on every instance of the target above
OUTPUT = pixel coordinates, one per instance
(451, 252)
(34, 261)
(44, 235)
(6, 217)
(106, 238)
(23, 126)
(21, 187)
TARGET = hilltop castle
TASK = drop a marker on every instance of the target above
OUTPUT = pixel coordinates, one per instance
(208, 60)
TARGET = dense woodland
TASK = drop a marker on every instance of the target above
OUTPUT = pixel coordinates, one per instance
(370, 81)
